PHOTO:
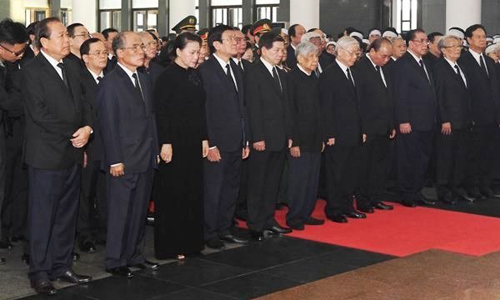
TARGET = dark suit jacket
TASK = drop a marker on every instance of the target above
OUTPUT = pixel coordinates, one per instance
(127, 123)
(224, 106)
(326, 59)
(452, 95)
(11, 103)
(89, 90)
(305, 111)
(375, 99)
(339, 104)
(154, 71)
(414, 96)
(53, 114)
(291, 59)
(267, 106)
(483, 90)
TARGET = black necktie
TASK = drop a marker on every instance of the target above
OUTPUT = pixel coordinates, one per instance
(483, 65)
(138, 86)
(459, 74)
(421, 62)
(277, 80)
(228, 73)
(241, 66)
(64, 77)
(99, 78)
(350, 77)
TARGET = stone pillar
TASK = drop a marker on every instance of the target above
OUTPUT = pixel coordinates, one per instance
(462, 13)
(248, 12)
(82, 13)
(163, 8)
(178, 10)
(305, 13)
(126, 15)
(55, 8)
(204, 14)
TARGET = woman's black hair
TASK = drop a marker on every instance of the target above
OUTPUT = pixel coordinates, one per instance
(181, 42)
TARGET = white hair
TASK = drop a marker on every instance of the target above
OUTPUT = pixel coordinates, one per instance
(305, 48)
(346, 42)
(310, 35)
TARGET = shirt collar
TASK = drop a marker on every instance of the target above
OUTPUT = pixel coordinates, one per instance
(452, 64)
(96, 75)
(302, 69)
(222, 63)
(268, 65)
(129, 73)
(415, 56)
(476, 55)
(236, 61)
(370, 59)
(342, 66)
(51, 60)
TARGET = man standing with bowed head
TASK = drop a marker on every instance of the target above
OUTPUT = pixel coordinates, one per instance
(58, 126)
(415, 112)
(295, 32)
(130, 143)
(266, 98)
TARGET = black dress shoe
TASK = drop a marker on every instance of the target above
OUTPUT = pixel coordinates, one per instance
(279, 229)
(88, 247)
(71, 277)
(487, 193)
(383, 206)
(365, 209)
(408, 203)
(76, 256)
(215, 244)
(314, 221)
(5, 244)
(121, 272)
(2, 261)
(43, 286)
(296, 225)
(234, 239)
(337, 218)
(25, 258)
(147, 265)
(425, 201)
(18, 238)
(257, 235)
(355, 215)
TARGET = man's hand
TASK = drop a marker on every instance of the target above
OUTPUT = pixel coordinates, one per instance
(81, 137)
(295, 151)
(166, 153)
(405, 128)
(259, 146)
(214, 155)
(245, 152)
(204, 148)
(446, 128)
(331, 142)
(393, 134)
(118, 170)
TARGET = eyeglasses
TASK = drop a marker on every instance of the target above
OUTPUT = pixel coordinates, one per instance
(426, 41)
(232, 38)
(454, 47)
(12, 52)
(99, 53)
(152, 44)
(84, 35)
(357, 53)
(136, 47)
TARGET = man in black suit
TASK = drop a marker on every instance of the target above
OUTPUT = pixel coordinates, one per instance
(377, 119)
(434, 54)
(58, 126)
(13, 40)
(130, 147)
(453, 98)
(295, 32)
(241, 48)
(415, 114)
(77, 35)
(266, 98)
(342, 131)
(223, 83)
(110, 34)
(92, 211)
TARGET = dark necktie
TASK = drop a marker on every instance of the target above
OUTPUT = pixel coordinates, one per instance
(99, 78)
(421, 62)
(64, 76)
(350, 77)
(138, 86)
(241, 66)
(459, 74)
(228, 73)
(277, 80)
(483, 65)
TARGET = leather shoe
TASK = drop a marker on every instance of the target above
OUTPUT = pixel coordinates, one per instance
(121, 272)
(257, 235)
(296, 225)
(149, 265)
(355, 215)
(279, 229)
(425, 201)
(337, 218)
(383, 206)
(76, 256)
(314, 221)
(71, 277)
(366, 209)
(43, 286)
(18, 238)
(26, 258)
(234, 239)
(88, 246)
(215, 244)
(2, 261)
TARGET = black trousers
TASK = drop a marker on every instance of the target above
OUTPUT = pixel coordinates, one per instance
(264, 175)
(92, 212)
(283, 190)
(342, 178)
(128, 200)
(241, 211)
(451, 153)
(221, 186)
(52, 214)
(373, 169)
(3, 165)
(480, 156)
(303, 181)
(413, 154)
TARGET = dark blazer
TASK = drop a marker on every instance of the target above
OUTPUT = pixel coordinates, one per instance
(326, 59)
(53, 114)
(339, 104)
(127, 123)
(154, 71)
(452, 95)
(76, 59)
(10, 92)
(305, 111)
(291, 59)
(226, 116)
(414, 96)
(89, 90)
(483, 89)
(267, 106)
(375, 99)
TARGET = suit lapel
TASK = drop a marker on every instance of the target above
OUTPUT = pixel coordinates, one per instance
(221, 73)
(350, 87)
(270, 79)
(127, 82)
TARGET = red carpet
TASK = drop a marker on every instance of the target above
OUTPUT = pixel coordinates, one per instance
(404, 231)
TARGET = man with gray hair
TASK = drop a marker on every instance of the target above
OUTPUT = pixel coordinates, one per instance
(453, 98)
(343, 133)
(316, 39)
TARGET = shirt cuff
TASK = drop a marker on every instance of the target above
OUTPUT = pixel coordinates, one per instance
(115, 165)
